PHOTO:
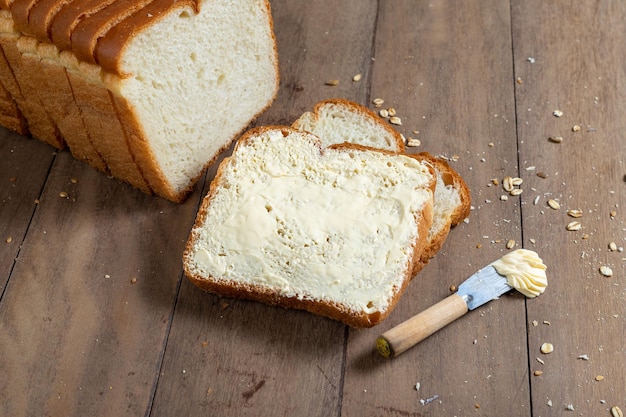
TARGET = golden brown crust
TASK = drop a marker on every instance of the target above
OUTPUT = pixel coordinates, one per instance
(66, 19)
(87, 33)
(58, 98)
(237, 290)
(40, 124)
(19, 11)
(453, 178)
(450, 177)
(101, 121)
(41, 15)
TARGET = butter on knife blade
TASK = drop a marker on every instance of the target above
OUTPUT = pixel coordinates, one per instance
(521, 269)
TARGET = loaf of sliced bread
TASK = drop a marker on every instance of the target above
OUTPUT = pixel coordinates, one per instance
(337, 121)
(335, 231)
(148, 91)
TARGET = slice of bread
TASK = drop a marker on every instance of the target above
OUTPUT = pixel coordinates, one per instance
(158, 83)
(341, 121)
(335, 231)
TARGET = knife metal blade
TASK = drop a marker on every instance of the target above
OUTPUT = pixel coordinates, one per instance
(482, 287)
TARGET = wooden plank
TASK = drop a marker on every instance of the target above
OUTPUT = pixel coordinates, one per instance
(23, 171)
(240, 358)
(571, 59)
(446, 68)
(320, 42)
(84, 318)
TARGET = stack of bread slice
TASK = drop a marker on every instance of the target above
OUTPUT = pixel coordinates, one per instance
(329, 215)
(148, 91)
(341, 121)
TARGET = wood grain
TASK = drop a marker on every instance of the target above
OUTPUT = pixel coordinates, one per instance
(584, 312)
(83, 324)
(451, 81)
(24, 166)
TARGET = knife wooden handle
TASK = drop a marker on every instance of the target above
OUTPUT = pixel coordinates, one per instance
(409, 333)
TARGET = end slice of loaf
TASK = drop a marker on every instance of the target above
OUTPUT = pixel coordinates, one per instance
(335, 231)
(337, 121)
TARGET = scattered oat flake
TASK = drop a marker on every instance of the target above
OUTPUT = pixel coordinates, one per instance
(584, 357)
(575, 213)
(383, 113)
(357, 77)
(412, 142)
(395, 120)
(538, 373)
(332, 83)
(63, 194)
(606, 271)
(378, 102)
(9, 239)
(573, 226)
(557, 113)
(612, 246)
(554, 204)
(556, 139)
(510, 244)
(133, 280)
(599, 378)
(616, 412)
(575, 128)
(547, 348)
(570, 407)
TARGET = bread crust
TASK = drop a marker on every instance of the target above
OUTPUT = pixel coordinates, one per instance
(58, 98)
(39, 122)
(69, 16)
(327, 309)
(41, 16)
(461, 212)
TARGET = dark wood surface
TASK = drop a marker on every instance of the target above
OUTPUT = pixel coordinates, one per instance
(97, 319)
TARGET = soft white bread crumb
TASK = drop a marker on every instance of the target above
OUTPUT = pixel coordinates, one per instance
(338, 121)
(341, 121)
(192, 98)
(334, 231)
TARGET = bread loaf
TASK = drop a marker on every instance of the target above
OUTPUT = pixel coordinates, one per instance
(341, 121)
(148, 91)
(335, 231)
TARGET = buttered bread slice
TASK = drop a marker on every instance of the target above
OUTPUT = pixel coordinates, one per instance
(334, 231)
(337, 121)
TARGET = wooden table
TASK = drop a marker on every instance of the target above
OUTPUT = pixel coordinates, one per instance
(97, 319)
